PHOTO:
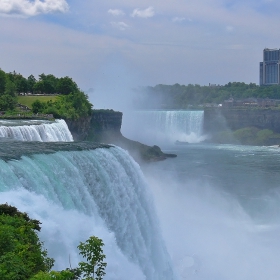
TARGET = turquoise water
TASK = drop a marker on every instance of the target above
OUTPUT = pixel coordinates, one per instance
(216, 206)
(79, 189)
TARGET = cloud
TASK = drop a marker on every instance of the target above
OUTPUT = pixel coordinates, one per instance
(32, 8)
(120, 25)
(229, 28)
(178, 19)
(116, 12)
(149, 12)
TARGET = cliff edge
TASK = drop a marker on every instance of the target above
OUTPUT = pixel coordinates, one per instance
(104, 126)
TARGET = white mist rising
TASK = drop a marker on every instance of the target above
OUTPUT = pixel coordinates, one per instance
(113, 87)
(164, 126)
(80, 193)
(209, 234)
(62, 231)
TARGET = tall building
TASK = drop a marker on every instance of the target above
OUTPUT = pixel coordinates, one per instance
(270, 67)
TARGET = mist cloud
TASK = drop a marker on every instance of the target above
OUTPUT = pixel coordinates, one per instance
(178, 19)
(32, 8)
(116, 12)
(146, 13)
(120, 25)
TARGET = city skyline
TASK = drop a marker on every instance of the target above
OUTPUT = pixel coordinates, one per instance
(132, 43)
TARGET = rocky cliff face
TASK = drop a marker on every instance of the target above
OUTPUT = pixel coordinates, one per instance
(104, 126)
(93, 127)
(218, 119)
(79, 128)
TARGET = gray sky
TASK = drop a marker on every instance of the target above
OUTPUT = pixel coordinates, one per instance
(121, 42)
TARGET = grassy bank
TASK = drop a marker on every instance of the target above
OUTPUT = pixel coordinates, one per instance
(27, 100)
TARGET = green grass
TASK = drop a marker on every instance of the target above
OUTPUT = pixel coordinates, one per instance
(28, 100)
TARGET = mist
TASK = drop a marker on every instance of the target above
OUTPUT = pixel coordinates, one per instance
(164, 127)
(113, 88)
(209, 232)
(62, 241)
(219, 217)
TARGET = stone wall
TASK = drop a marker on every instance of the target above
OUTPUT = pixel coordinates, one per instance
(218, 119)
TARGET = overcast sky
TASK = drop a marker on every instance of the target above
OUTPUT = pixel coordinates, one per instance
(134, 42)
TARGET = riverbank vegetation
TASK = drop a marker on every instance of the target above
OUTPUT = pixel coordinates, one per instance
(185, 96)
(23, 257)
(247, 136)
(49, 95)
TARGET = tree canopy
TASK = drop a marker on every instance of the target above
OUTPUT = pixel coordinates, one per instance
(71, 106)
(46, 84)
(72, 102)
(23, 257)
(21, 252)
(182, 96)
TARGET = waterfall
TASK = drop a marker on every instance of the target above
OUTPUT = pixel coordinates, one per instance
(90, 192)
(43, 131)
(186, 122)
(164, 126)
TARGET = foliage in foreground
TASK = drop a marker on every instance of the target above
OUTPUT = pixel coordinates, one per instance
(22, 255)
(92, 251)
(21, 252)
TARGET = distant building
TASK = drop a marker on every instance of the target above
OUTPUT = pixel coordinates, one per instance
(251, 102)
(270, 67)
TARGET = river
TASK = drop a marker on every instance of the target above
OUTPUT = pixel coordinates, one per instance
(212, 213)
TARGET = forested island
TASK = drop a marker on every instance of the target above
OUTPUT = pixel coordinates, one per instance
(49, 95)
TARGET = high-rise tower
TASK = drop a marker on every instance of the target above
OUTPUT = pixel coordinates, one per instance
(270, 67)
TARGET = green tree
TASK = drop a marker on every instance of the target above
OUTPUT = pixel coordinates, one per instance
(21, 84)
(7, 102)
(18, 80)
(92, 251)
(39, 87)
(2, 81)
(66, 85)
(54, 275)
(21, 252)
(31, 81)
(38, 106)
(47, 84)
(10, 88)
(71, 106)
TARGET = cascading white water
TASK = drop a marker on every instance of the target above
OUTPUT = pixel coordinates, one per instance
(186, 121)
(101, 192)
(43, 131)
(164, 126)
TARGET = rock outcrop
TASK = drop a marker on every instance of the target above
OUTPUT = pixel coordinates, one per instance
(104, 126)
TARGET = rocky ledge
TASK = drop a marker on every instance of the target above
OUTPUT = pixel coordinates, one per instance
(104, 126)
